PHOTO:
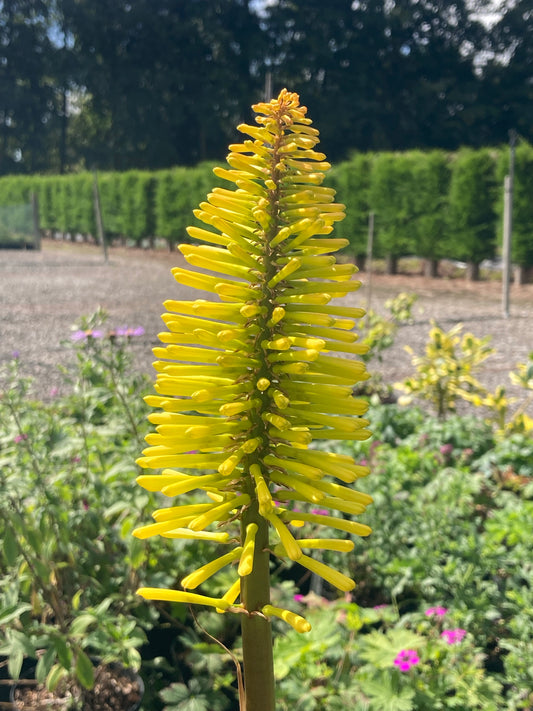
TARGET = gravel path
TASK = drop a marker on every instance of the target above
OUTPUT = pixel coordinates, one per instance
(42, 295)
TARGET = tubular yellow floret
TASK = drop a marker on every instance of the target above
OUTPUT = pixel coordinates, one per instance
(246, 563)
(288, 541)
(299, 623)
(193, 580)
(181, 596)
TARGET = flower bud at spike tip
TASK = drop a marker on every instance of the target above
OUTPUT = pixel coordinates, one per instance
(251, 379)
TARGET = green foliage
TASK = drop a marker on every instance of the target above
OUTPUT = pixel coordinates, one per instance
(351, 180)
(138, 219)
(391, 198)
(472, 206)
(431, 178)
(66, 560)
(446, 371)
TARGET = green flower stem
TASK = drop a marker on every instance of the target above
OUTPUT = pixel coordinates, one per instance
(256, 629)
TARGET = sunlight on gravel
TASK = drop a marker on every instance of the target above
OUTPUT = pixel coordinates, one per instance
(43, 294)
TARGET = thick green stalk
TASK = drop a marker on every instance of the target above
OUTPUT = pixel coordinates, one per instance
(256, 629)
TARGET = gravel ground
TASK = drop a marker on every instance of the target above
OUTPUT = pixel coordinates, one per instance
(43, 294)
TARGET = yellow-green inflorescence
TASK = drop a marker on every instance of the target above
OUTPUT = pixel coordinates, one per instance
(248, 382)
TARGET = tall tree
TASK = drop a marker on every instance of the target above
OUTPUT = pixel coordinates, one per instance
(163, 77)
(394, 73)
(507, 95)
(26, 87)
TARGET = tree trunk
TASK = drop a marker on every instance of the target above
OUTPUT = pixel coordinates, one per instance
(472, 271)
(360, 262)
(431, 268)
(391, 264)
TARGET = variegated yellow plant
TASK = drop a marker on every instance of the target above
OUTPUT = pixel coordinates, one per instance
(247, 382)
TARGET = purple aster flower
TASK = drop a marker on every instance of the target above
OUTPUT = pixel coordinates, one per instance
(128, 331)
(436, 611)
(79, 336)
(406, 659)
(453, 636)
(85, 335)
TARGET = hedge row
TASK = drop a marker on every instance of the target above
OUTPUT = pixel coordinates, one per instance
(430, 204)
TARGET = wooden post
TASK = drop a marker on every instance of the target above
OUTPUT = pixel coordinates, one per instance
(369, 251)
(98, 215)
(506, 248)
(508, 226)
(268, 85)
(36, 221)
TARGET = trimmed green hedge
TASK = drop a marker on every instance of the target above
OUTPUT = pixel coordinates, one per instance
(426, 204)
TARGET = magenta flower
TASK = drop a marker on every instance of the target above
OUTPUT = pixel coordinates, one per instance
(446, 450)
(19, 438)
(320, 512)
(453, 636)
(406, 659)
(298, 598)
(436, 611)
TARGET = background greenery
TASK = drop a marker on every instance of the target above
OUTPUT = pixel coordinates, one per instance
(432, 204)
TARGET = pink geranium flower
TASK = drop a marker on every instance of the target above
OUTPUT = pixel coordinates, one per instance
(453, 636)
(436, 611)
(406, 659)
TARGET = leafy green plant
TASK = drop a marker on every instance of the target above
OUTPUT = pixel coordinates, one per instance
(447, 370)
(66, 562)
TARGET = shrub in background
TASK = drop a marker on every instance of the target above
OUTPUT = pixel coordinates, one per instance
(391, 197)
(472, 200)
(431, 180)
(351, 179)
(522, 218)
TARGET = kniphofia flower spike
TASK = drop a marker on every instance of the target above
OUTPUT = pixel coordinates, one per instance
(247, 382)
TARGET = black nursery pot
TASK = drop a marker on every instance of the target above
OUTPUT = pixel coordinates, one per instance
(29, 673)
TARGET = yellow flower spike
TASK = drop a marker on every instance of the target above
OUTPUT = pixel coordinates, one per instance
(250, 381)
(193, 580)
(246, 563)
(299, 623)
